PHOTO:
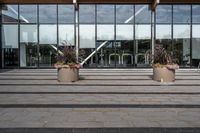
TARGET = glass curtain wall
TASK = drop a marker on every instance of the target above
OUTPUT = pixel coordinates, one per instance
(164, 26)
(195, 35)
(87, 33)
(9, 36)
(106, 56)
(124, 35)
(66, 25)
(142, 35)
(31, 34)
(181, 34)
(47, 35)
(28, 35)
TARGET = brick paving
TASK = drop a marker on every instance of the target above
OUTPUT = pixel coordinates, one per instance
(127, 101)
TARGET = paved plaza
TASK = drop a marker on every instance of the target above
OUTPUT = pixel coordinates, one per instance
(119, 100)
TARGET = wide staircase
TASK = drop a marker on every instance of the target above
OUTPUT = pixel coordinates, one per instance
(102, 101)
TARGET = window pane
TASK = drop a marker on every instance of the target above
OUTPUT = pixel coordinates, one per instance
(124, 14)
(195, 45)
(105, 37)
(8, 32)
(87, 36)
(10, 45)
(66, 34)
(196, 13)
(28, 46)
(124, 32)
(48, 34)
(28, 13)
(105, 13)
(143, 31)
(142, 44)
(10, 13)
(181, 44)
(181, 31)
(142, 14)
(47, 55)
(105, 32)
(124, 45)
(163, 36)
(87, 43)
(181, 13)
(164, 14)
(28, 33)
(47, 14)
(163, 31)
(87, 13)
(65, 13)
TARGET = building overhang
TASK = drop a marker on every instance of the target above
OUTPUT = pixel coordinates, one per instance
(98, 1)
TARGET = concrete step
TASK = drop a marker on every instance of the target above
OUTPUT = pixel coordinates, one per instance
(100, 100)
(100, 89)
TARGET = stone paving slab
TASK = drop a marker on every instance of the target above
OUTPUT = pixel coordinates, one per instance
(99, 117)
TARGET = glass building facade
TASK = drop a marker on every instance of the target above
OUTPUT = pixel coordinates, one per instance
(117, 35)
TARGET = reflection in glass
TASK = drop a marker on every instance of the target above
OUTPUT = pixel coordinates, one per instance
(181, 44)
(47, 55)
(106, 55)
(87, 14)
(140, 12)
(66, 34)
(181, 13)
(48, 34)
(66, 14)
(9, 13)
(124, 32)
(105, 32)
(105, 13)
(47, 47)
(87, 36)
(164, 14)
(28, 13)
(163, 35)
(142, 44)
(196, 13)
(47, 14)
(124, 45)
(10, 45)
(124, 14)
(87, 43)
(195, 45)
(28, 46)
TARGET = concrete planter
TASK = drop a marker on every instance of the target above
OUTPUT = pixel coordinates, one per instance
(163, 74)
(68, 74)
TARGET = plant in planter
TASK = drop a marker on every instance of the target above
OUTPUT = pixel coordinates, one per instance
(164, 65)
(67, 65)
